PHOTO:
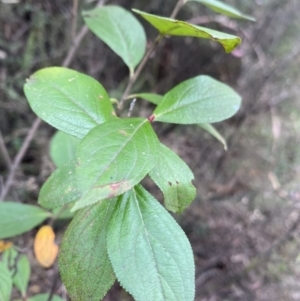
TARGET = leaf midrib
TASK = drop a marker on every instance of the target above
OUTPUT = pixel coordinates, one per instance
(185, 105)
(153, 256)
(76, 104)
(117, 154)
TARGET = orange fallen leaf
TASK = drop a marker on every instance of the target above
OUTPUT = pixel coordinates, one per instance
(5, 245)
(45, 248)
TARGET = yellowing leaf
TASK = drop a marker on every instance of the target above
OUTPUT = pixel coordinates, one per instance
(5, 245)
(45, 248)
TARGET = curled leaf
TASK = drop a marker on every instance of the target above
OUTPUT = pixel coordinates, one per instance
(172, 27)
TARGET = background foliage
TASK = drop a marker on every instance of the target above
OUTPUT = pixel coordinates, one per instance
(247, 198)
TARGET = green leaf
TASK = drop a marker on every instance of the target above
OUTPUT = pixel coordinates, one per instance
(151, 97)
(150, 254)
(22, 275)
(43, 297)
(224, 9)
(83, 262)
(174, 178)
(5, 283)
(114, 157)
(201, 99)
(120, 30)
(17, 218)
(9, 258)
(172, 27)
(63, 148)
(213, 131)
(60, 188)
(68, 100)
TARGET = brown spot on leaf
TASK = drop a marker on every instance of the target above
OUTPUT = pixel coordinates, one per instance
(118, 187)
(122, 132)
(113, 189)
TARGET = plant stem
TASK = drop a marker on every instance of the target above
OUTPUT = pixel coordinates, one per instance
(177, 8)
(134, 77)
(19, 157)
(74, 19)
(4, 152)
(141, 66)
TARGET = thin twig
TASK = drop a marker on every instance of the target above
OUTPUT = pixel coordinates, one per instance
(54, 283)
(17, 160)
(4, 152)
(83, 31)
(74, 19)
(19, 157)
(176, 9)
(139, 69)
(131, 107)
(141, 66)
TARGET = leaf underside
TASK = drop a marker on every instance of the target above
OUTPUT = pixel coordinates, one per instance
(214, 132)
(224, 9)
(172, 27)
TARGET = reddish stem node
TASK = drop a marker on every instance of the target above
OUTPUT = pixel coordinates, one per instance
(151, 118)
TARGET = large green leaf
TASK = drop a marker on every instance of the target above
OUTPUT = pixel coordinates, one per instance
(5, 283)
(214, 132)
(172, 27)
(174, 178)
(22, 275)
(60, 188)
(224, 9)
(201, 99)
(17, 218)
(83, 262)
(114, 157)
(151, 97)
(68, 100)
(120, 30)
(150, 254)
(63, 148)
